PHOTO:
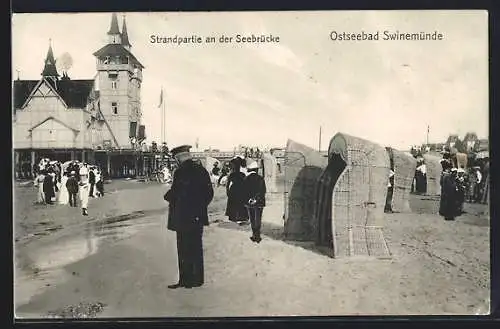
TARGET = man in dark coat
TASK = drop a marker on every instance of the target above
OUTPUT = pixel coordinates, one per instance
(189, 196)
(449, 193)
(91, 182)
(72, 187)
(255, 199)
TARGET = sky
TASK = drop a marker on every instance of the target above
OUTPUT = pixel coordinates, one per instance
(229, 94)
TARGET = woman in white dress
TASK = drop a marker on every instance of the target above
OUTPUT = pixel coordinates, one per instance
(97, 179)
(63, 196)
(39, 183)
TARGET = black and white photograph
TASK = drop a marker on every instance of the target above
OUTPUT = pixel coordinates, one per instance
(250, 164)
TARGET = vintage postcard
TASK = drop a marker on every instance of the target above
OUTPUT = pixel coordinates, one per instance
(229, 164)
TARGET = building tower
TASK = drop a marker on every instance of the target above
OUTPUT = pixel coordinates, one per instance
(50, 70)
(119, 76)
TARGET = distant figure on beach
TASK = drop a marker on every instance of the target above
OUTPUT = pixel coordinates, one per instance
(235, 208)
(449, 193)
(63, 196)
(390, 192)
(48, 187)
(189, 196)
(39, 183)
(84, 188)
(215, 173)
(255, 199)
(99, 185)
(72, 187)
(91, 182)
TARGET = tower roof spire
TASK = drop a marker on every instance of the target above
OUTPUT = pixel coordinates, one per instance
(50, 69)
(114, 29)
(125, 41)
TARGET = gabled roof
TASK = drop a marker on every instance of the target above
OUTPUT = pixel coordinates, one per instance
(22, 90)
(116, 50)
(51, 83)
(74, 93)
(55, 119)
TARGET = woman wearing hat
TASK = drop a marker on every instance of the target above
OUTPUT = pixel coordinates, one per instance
(48, 186)
(84, 188)
(255, 199)
(39, 183)
(235, 208)
(449, 193)
(63, 196)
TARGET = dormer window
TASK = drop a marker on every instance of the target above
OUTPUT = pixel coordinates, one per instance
(106, 60)
(124, 60)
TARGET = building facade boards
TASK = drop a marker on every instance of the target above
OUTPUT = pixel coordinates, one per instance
(65, 119)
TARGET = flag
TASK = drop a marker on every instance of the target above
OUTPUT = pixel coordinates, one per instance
(161, 98)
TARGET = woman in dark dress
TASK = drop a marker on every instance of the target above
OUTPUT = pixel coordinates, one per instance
(48, 187)
(449, 193)
(235, 208)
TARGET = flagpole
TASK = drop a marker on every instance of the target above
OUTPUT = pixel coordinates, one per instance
(319, 143)
(164, 121)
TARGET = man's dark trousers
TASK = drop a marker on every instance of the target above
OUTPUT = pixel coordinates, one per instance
(72, 199)
(255, 215)
(190, 256)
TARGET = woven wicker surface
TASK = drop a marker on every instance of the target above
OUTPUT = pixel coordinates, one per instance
(270, 171)
(404, 172)
(303, 166)
(358, 197)
(433, 168)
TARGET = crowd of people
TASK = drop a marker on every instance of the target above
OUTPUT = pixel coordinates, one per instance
(472, 181)
(191, 192)
(242, 183)
(61, 183)
(459, 184)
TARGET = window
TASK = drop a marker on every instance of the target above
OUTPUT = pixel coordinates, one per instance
(124, 60)
(106, 60)
(113, 84)
(114, 107)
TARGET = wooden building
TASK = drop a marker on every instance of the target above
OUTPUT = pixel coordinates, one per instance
(94, 120)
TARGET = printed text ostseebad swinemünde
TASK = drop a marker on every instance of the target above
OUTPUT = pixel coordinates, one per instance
(385, 36)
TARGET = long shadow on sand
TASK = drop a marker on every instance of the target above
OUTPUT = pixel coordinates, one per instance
(275, 232)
